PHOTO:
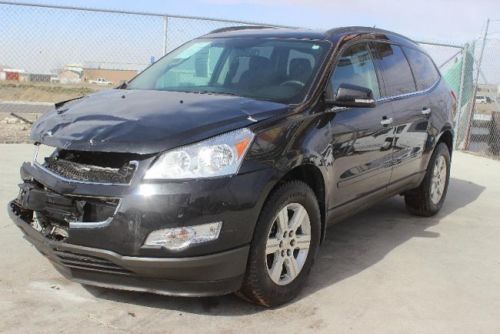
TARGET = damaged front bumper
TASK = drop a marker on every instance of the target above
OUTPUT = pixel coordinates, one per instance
(207, 275)
(110, 253)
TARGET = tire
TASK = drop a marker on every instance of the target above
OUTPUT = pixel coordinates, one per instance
(425, 201)
(265, 283)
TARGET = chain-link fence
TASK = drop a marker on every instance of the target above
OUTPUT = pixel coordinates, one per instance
(41, 39)
(480, 124)
(50, 53)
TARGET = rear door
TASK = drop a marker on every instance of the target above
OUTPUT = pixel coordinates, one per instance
(411, 109)
(361, 137)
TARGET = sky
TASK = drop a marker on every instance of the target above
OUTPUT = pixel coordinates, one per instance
(48, 39)
(453, 21)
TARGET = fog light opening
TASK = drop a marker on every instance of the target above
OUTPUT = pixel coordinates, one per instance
(179, 238)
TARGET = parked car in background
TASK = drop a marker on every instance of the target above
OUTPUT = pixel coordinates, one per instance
(218, 168)
(101, 81)
(483, 99)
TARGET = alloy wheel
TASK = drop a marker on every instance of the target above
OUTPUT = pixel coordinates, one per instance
(288, 244)
(438, 181)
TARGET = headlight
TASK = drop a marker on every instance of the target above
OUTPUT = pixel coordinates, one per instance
(42, 152)
(218, 156)
(182, 237)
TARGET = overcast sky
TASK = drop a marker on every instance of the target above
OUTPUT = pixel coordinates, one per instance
(443, 20)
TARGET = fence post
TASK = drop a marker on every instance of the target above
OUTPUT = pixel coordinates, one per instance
(165, 34)
(458, 118)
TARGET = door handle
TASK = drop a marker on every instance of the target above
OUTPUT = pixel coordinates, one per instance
(426, 111)
(386, 121)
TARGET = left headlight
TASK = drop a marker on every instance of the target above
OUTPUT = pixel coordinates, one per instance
(217, 156)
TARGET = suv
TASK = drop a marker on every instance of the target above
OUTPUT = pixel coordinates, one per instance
(218, 168)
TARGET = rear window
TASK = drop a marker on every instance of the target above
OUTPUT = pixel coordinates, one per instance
(396, 72)
(424, 70)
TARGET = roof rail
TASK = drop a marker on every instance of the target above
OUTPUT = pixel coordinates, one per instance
(361, 29)
(235, 28)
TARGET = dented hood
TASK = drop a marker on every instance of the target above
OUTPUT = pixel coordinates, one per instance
(140, 121)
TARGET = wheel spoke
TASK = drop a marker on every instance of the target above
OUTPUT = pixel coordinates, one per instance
(288, 243)
(298, 218)
(277, 268)
(282, 220)
(435, 172)
(303, 241)
(292, 267)
(272, 246)
(438, 182)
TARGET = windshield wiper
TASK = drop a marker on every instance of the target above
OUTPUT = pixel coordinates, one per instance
(214, 93)
(123, 86)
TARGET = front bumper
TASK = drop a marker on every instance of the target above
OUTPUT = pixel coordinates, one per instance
(111, 253)
(208, 275)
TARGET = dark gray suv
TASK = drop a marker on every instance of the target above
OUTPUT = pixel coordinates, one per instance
(218, 168)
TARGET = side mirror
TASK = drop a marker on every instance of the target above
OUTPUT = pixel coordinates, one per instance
(348, 95)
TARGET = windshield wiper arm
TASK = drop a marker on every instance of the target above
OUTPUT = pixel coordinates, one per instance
(214, 92)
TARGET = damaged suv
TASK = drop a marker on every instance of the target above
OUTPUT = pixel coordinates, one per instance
(218, 168)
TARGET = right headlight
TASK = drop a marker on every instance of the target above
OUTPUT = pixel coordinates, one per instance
(217, 156)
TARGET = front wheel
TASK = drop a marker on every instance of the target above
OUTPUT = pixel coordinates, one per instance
(428, 198)
(285, 243)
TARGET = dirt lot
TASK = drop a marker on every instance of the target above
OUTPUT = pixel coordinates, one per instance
(382, 271)
(42, 92)
(13, 130)
(27, 100)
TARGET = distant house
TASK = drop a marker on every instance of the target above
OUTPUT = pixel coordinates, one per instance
(71, 74)
(12, 74)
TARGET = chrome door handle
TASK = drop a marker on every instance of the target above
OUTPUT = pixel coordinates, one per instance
(426, 111)
(386, 121)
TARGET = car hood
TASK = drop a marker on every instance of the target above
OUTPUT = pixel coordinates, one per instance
(144, 122)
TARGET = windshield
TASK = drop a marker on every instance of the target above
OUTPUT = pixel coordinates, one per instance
(265, 69)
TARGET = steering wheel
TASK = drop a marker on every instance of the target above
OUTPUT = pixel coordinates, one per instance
(293, 82)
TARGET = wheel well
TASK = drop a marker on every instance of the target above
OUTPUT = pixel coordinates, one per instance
(312, 176)
(447, 138)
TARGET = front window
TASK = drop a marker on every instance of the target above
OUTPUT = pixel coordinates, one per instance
(280, 70)
(355, 67)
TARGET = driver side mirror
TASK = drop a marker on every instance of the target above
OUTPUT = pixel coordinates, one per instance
(348, 95)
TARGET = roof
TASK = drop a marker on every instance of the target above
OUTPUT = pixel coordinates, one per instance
(300, 33)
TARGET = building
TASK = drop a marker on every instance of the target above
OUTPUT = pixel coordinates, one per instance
(71, 74)
(40, 77)
(12, 74)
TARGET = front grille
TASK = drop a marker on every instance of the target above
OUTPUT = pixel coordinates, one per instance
(90, 173)
(87, 262)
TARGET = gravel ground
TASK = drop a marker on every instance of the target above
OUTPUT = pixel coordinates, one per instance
(14, 130)
(381, 271)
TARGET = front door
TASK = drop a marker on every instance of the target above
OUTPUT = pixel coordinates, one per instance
(361, 137)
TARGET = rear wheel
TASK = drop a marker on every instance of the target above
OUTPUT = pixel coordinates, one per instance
(428, 198)
(284, 246)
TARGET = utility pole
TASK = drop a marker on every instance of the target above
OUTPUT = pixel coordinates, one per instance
(478, 71)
